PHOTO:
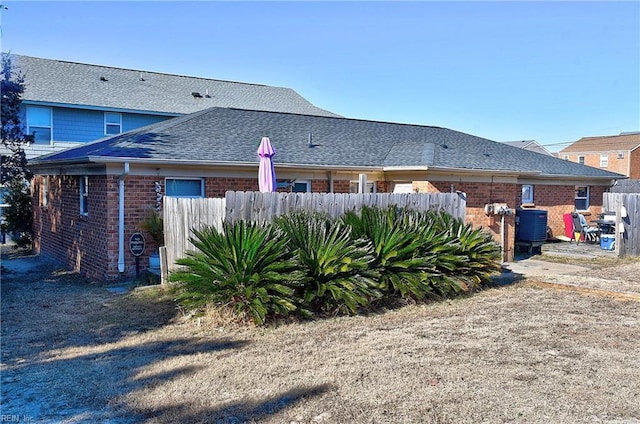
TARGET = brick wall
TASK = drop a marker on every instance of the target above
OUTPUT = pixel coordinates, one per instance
(634, 164)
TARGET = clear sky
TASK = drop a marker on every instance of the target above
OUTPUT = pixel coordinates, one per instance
(549, 71)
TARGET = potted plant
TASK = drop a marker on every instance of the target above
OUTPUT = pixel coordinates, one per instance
(154, 226)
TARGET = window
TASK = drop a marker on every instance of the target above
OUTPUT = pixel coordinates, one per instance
(84, 195)
(604, 160)
(301, 187)
(370, 187)
(566, 157)
(39, 124)
(527, 193)
(581, 160)
(184, 187)
(582, 198)
(112, 123)
(45, 191)
(621, 155)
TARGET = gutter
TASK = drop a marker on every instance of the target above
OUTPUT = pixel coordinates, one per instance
(121, 264)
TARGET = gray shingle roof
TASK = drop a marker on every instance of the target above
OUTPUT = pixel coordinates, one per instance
(232, 136)
(57, 81)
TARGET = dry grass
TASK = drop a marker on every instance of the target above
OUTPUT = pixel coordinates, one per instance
(73, 352)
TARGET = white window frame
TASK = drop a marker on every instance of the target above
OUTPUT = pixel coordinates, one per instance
(84, 195)
(306, 182)
(370, 187)
(527, 193)
(604, 160)
(581, 160)
(30, 127)
(167, 179)
(108, 123)
(585, 198)
(45, 191)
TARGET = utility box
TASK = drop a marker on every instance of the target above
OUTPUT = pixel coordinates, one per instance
(532, 225)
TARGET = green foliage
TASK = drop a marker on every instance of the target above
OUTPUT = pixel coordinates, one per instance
(14, 165)
(338, 275)
(481, 253)
(18, 214)
(247, 267)
(154, 225)
(396, 248)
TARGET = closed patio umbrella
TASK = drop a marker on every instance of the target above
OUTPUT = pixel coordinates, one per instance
(266, 171)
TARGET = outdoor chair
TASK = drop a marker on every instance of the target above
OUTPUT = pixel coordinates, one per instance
(581, 229)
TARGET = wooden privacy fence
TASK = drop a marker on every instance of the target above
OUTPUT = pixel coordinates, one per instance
(181, 215)
(627, 228)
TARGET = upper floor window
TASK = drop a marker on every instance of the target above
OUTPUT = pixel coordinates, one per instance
(112, 123)
(84, 195)
(565, 157)
(39, 124)
(184, 187)
(582, 198)
(604, 160)
(581, 160)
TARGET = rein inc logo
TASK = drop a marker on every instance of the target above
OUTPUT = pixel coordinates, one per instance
(16, 418)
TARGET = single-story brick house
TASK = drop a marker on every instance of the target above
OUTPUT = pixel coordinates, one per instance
(76, 193)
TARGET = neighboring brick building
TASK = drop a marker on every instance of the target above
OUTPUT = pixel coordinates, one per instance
(77, 192)
(615, 153)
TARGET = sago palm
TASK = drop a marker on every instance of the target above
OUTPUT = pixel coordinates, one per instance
(246, 267)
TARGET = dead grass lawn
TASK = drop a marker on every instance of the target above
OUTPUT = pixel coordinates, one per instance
(73, 352)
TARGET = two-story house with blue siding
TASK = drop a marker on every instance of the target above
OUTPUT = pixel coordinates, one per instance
(68, 103)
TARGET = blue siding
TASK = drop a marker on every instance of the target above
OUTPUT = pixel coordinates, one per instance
(77, 125)
(80, 125)
(131, 121)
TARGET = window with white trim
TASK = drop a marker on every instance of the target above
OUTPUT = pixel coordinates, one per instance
(582, 198)
(184, 187)
(112, 123)
(45, 191)
(39, 120)
(527, 193)
(604, 160)
(370, 187)
(581, 160)
(301, 187)
(84, 195)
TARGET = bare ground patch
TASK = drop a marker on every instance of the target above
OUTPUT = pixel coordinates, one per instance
(73, 352)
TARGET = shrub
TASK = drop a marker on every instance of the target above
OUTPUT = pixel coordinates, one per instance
(395, 249)
(247, 267)
(338, 276)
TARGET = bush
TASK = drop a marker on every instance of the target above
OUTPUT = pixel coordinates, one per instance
(247, 267)
(19, 215)
(396, 248)
(337, 268)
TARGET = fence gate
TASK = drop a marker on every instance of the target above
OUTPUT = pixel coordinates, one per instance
(627, 227)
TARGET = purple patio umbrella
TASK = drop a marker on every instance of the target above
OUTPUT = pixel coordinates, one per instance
(266, 171)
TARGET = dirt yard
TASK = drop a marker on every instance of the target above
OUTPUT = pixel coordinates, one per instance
(77, 352)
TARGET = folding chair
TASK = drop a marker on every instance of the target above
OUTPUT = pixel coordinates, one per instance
(582, 230)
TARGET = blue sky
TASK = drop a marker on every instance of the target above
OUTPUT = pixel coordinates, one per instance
(549, 71)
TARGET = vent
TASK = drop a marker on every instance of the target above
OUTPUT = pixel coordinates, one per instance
(196, 95)
(103, 79)
(620, 155)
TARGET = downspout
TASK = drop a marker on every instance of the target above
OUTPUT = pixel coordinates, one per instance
(121, 217)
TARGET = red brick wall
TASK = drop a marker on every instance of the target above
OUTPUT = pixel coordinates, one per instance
(81, 242)
(634, 164)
